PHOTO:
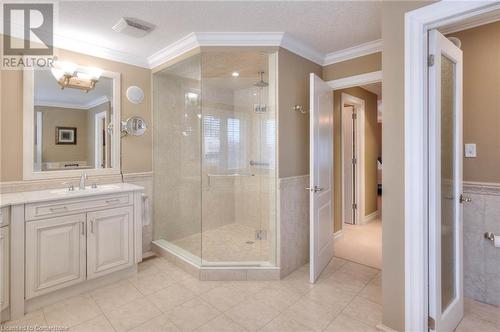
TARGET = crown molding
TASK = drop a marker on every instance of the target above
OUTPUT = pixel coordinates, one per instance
(200, 39)
(300, 48)
(85, 107)
(173, 50)
(82, 47)
(357, 51)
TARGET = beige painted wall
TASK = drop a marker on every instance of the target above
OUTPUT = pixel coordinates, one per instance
(136, 151)
(393, 275)
(370, 157)
(357, 66)
(481, 102)
(293, 89)
(63, 117)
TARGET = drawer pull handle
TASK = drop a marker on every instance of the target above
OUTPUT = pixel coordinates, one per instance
(63, 208)
(115, 200)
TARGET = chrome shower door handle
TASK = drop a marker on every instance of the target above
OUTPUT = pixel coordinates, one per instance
(315, 189)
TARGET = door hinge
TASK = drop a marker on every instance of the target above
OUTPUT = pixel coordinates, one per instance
(354, 161)
(354, 116)
(431, 323)
(430, 60)
(355, 206)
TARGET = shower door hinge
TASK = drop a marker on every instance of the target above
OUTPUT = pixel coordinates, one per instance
(260, 234)
(430, 60)
(431, 323)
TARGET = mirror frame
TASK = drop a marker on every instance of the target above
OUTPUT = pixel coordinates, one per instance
(28, 131)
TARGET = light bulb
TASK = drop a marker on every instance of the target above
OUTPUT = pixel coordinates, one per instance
(235, 74)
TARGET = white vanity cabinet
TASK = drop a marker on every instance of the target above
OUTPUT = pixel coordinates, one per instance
(64, 243)
(55, 254)
(109, 241)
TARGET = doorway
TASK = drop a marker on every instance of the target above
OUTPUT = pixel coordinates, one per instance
(358, 224)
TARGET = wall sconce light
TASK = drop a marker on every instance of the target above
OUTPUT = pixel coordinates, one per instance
(69, 75)
(299, 108)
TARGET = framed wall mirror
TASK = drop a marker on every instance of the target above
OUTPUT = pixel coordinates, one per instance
(70, 129)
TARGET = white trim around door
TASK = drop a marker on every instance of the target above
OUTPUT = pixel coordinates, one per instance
(359, 107)
(417, 25)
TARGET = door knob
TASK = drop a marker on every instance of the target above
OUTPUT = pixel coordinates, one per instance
(465, 199)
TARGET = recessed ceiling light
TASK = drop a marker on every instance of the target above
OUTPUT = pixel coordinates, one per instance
(235, 74)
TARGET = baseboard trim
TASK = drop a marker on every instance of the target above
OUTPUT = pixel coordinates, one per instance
(370, 217)
(338, 234)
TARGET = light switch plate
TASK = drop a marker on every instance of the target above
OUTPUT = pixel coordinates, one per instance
(470, 150)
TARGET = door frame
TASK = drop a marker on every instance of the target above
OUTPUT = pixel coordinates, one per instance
(98, 139)
(359, 107)
(449, 16)
(344, 83)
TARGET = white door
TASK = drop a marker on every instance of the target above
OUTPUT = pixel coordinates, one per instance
(446, 301)
(55, 254)
(348, 134)
(109, 241)
(4, 267)
(321, 176)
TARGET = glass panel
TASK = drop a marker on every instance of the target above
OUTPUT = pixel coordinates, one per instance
(239, 139)
(177, 157)
(448, 199)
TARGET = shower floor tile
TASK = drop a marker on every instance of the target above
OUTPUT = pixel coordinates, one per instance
(229, 243)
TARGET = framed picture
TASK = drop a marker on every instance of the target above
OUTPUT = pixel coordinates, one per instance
(66, 135)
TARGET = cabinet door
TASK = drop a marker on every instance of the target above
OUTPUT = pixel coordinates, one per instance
(109, 241)
(4, 268)
(55, 254)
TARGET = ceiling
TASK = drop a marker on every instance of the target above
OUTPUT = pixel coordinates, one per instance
(375, 88)
(49, 93)
(325, 26)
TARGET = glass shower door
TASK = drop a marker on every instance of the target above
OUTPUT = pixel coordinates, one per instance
(238, 139)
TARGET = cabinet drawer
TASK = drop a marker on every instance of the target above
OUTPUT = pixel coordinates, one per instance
(4, 216)
(36, 211)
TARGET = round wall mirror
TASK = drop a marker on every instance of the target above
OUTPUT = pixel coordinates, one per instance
(135, 94)
(135, 126)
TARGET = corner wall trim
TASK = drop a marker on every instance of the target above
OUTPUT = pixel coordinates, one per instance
(357, 51)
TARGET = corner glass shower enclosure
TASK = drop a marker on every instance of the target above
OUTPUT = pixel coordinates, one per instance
(215, 157)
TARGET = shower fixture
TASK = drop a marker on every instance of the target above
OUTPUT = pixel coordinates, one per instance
(261, 83)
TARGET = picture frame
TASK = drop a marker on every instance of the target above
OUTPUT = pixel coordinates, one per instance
(66, 135)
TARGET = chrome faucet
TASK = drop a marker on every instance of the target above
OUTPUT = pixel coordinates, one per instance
(83, 178)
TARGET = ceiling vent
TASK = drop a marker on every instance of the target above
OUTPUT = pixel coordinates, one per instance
(133, 27)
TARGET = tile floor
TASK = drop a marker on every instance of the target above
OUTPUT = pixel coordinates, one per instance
(361, 243)
(163, 298)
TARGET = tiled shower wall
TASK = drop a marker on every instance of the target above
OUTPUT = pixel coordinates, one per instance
(481, 258)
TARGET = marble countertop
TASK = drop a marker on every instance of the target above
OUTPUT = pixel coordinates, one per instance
(26, 197)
